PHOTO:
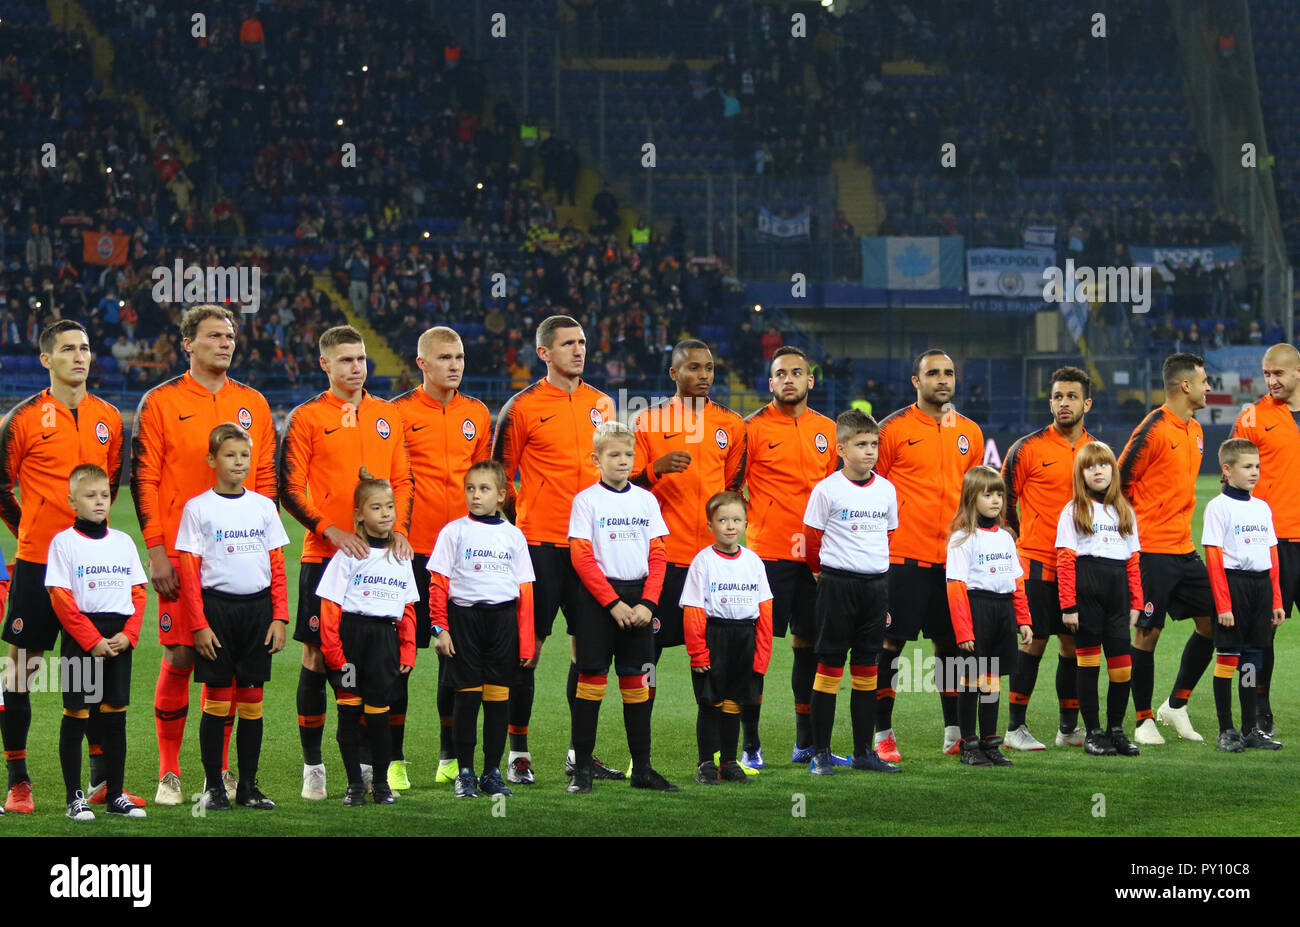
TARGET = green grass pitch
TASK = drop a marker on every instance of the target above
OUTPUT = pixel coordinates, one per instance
(1177, 789)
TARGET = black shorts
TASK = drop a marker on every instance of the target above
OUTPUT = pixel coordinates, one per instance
(240, 623)
(1044, 603)
(1252, 613)
(794, 594)
(373, 655)
(1177, 584)
(851, 610)
(1101, 591)
(307, 628)
(1288, 569)
(554, 589)
(669, 630)
(486, 638)
(731, 664)
(423, 631)
(31, 623)
(90, 681)
(598, 638)
(993, 620)
(918, 603)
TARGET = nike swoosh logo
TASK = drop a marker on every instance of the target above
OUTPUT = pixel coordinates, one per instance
(418, 427)
(671, 436)
(330, 431)
(917, 441)
(191, 415)
(48, 436)
(770, 445)
(1269, 427)
(1173, 447)
(548, 418)
(1048, 463)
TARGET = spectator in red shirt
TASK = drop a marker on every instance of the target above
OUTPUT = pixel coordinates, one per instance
(771, 341)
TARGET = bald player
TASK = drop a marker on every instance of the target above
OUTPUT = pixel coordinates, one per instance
(1039, 474)
(925, 451)
(1273, 424)
(327, 440)
(544, 433)
(447, 432)
(42, 440)
(687, 449)
(791, 449)
(1158, 471)
(168, 468)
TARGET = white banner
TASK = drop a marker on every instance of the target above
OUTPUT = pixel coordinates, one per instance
(1007, 272)
(773, 226)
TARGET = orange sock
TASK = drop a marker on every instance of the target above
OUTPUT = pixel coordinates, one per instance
(171, 703)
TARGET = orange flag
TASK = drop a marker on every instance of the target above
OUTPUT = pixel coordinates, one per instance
(106, 248)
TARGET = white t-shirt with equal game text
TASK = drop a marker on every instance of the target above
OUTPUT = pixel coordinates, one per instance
(234, 537)
(99, 572)
(727, 586)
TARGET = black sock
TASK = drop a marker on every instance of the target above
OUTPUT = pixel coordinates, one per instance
(708, 734)
(1089, 701)
(801, 684)
(947, 697)
(1144, 682)
(1249, 695)
(1223, 701)
(749, 715)
(380, 736)
(728, 736)
(465, 723)
(248, 744)
(585, 717)
(571, 687)
(397, 714)
(311, 714)
(636, 718)
(1197, 654)
(349, 738)
(1022, 685)
(988, 712)
(494, 733)
(446, 702)
(71, 733)
(15, 722)
(823, 719)
(212, 737)
(1265, 677)
(113, 726)
(521, 709)
(1067, 695)
(95, 737)
(968, 700)
(862, 711)
(887, 677)
(1118, 693)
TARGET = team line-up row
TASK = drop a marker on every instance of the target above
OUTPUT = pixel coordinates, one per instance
(859, 537)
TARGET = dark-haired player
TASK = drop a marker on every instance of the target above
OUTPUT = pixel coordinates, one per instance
(42, 440)
(1158, 471)
(1039, 473)
(688, 448)
(544, 434)
(791, 449)
(925, 451)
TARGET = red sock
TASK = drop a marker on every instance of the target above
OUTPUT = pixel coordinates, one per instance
(171, 703)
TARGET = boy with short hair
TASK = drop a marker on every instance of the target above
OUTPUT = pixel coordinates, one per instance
(235, 595)
(484, 596)
(850, 516)
(97, 587)
(1241, 555)
(616, 544)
